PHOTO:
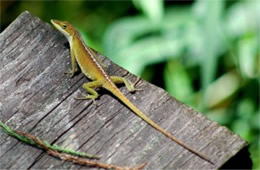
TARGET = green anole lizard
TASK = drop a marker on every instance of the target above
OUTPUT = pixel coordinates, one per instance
(93, 69)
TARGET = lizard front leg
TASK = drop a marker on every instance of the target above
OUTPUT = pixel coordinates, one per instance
(73, 69)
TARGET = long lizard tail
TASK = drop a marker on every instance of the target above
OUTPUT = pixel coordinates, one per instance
(113, 89)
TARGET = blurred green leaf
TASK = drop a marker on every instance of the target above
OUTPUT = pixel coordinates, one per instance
(255, 153)
(177, 81)
(221, 89)
(248, 48)
(243, 17)
(209, 14)
(219, 115)
(242, 128)
(151, 8)
(138, 42)
(255, 120)
(246, 109)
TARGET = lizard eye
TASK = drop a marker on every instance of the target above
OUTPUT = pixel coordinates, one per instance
(64, 26)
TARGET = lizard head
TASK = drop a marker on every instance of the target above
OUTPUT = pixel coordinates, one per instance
(65, 28)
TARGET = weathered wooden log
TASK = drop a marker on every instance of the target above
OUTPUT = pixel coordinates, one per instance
(37, 97)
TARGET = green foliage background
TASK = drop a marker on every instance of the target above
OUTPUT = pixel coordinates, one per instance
(205, 52)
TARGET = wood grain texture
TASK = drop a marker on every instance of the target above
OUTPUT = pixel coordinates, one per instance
(37, 97)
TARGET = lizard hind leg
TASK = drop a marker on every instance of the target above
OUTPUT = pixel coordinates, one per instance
(90, 88)
(119, 80)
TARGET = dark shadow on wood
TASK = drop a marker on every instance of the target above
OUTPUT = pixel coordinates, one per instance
(240, 161)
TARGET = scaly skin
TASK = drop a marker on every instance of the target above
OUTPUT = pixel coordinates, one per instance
(93, 69)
